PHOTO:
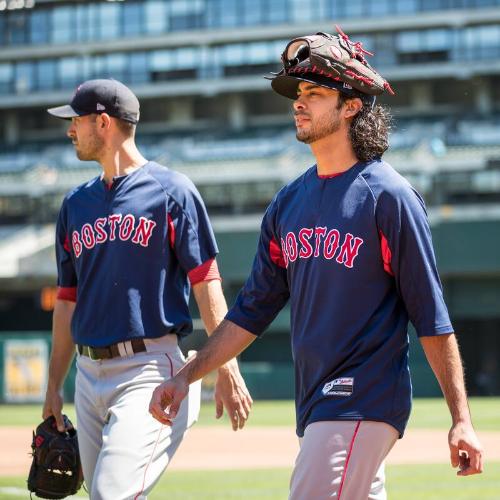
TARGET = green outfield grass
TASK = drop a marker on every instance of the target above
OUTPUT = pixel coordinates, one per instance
(404, 482)
(426, 414)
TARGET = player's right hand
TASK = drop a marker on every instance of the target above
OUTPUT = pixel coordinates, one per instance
(466, 451)
(53, 406)
(167, 398)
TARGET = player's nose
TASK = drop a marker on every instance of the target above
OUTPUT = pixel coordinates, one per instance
(71, 131)
(298, 104)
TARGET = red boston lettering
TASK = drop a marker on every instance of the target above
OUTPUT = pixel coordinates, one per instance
(304, 235)
(349, 250)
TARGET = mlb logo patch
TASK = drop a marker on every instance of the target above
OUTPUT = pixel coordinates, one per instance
(339, 387)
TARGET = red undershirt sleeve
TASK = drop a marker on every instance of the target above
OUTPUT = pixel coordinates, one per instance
(205, 272)
(66, 293)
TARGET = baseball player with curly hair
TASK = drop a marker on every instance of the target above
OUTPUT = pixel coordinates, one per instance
(348, 244)
(130, 245)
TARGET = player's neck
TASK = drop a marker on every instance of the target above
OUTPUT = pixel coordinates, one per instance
(121, 160)
(333, 155)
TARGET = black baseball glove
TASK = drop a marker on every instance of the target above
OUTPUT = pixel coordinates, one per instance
(56, 470)
(328, 58)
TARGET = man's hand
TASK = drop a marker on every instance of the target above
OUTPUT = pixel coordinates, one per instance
(231, 392)
(53, 406)
(167, 398)
(466, 452)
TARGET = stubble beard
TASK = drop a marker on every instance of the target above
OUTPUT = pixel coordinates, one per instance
(327, 124)
(91, 150)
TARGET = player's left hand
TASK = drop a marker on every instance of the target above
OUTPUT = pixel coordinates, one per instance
(231, 393)
(466, 451)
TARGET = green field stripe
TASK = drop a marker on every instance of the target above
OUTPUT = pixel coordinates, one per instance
(426, 414)
(404, 482)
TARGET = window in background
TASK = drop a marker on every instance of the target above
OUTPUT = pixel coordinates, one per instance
(16, 27)
(380, 8)
(62, 25)
(211, 66)
(186, 15)
(138, 67)
(39, 26)
(424, 46)
(258, 53)
(233, 54)
(109, 20)
(160, 64)
(116, 67)
(155, 14)
(3, 34)
(185, 57)
(251, 58)
(352, 8)
(252, 12)
(69, 72)
(184, 63)
(46, 74)
(132, 18)
(23, 77)
(405, 6)
(276, 11)
(6, 77)
(481, 42)
(304, 10)
(434, 4)
(87, 22)
(86, 66)
(225, 13)
(382, 46)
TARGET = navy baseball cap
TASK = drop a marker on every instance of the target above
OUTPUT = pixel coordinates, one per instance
(287, 85)
(101, 96)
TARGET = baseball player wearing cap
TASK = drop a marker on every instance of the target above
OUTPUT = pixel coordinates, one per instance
(348, 244)
(130, 244)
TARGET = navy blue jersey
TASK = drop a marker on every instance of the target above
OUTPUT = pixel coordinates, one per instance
(128, 249)
(354, 255)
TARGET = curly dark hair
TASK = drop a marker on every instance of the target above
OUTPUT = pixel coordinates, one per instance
(369, 131)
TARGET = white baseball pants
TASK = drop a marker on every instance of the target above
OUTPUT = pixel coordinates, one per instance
(342, 460)
(123, 449)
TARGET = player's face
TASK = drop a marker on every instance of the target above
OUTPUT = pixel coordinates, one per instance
(83, 134)
(316, 111)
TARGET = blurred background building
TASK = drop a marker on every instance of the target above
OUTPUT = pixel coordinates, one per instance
(206, 110)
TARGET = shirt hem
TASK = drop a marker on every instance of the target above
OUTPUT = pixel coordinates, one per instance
(399, 428)
(436, 331)
(249, 327)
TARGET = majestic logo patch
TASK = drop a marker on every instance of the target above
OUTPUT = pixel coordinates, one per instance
(339, 387)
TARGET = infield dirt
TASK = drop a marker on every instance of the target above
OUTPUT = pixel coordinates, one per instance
(209, 448)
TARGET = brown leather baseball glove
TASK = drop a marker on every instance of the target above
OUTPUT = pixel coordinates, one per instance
(56, 470)
(329, 60)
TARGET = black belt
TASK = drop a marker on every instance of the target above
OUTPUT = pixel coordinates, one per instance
(129, 348)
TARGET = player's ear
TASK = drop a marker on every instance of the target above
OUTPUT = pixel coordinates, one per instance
(103, 121)
(352, 107)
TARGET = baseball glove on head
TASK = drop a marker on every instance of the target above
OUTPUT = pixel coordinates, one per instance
(332, 61)
(56, 470)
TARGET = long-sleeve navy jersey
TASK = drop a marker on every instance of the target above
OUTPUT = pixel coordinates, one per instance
(127, 251)
(353, 254)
